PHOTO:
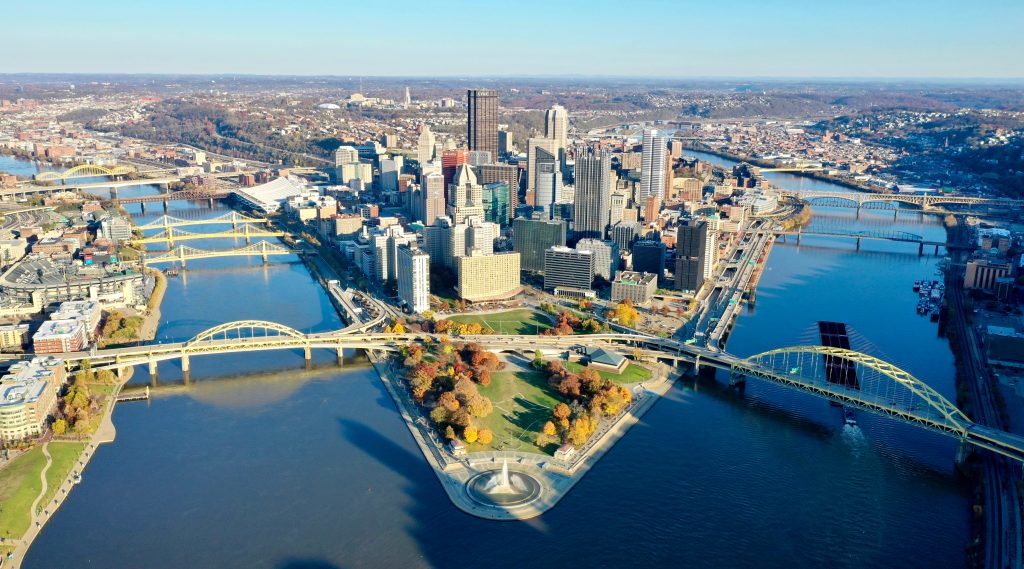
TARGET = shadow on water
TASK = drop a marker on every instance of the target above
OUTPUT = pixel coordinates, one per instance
(307, 564)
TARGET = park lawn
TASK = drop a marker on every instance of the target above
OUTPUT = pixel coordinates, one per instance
(634, 373)
(522, 404)
(19, 487)
(522, 321)
(65, 458)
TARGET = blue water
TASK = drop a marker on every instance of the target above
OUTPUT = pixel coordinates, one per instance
(259, 464)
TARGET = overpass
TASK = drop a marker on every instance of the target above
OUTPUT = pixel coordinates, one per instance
(183, 253)
(877, 386)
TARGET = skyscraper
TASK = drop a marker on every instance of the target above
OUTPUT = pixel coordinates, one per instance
(568, 268)
(482, 120)
(606, 256)
(432, 195)
(508, 173)
(345, 155)
(532, 146)
(465, 196)
(414, 277)
(531, 237)
(649, 257)
(496, 203)
(556, 125)
(450, 162)
(691, 246)
(593, 195)
(652, 169)
(547, 180)
(425, 146)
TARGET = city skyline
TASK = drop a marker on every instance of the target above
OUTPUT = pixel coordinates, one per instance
(793, 40)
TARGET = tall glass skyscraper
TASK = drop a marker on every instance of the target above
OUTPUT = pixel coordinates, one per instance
(593, 196)
(652, 168)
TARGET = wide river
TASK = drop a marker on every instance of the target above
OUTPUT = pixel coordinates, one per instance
(260, 464)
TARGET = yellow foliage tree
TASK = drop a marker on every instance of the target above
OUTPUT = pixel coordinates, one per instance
(470, 434)
(485, 436)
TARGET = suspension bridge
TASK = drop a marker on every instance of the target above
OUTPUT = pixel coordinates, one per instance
(843, 376)
(245, 231)
(183, 254)
(232, 218)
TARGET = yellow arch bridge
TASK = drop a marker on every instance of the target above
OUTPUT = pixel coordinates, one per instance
(183, 253)
(84, 171)
(170, 235)
(867, 383)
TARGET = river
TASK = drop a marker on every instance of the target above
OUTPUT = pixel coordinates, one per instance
(261, 464)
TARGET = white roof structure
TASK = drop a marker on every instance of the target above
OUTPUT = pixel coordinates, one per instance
(269, 197)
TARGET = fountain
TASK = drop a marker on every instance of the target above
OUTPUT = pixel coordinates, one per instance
(502, 488)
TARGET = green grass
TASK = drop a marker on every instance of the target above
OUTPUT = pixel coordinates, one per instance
(633, 373)
(19, 487)
(65, 458)
(520, 321)
(522, 404)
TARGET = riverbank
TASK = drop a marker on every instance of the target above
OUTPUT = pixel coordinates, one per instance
(42, 511)
(557, 478)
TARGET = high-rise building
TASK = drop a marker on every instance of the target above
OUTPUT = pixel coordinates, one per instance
(504, 142)
(624, 233)
(618, 206)
(649, 257)
(508, 173)
(497, 203)
(556, 125)
(568, 268)
(691, 248)
(450, 162)
(390, 168)
(652, 170)
(414, 277)
(606, 256)
(445, 241)
(531, 237)
(532, 146)
(638, 287)
(547, 180)
(432, 198)
(480, 157)
(488, 277)
(465, 196)
(425, 145)
(482, 120)
(593, 196)
(345, 155)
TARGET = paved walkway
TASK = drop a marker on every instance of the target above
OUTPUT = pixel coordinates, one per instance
(104, 434)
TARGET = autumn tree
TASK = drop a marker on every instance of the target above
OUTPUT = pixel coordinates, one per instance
(485, 436)
(470, 434)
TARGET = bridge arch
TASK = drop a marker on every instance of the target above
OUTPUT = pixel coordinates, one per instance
(237, 329)
(869, 382)
(85, 170)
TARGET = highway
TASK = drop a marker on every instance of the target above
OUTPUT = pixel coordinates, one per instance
(1002, 508)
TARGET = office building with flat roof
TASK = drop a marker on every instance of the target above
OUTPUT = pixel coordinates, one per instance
(568, 268)
(482, 120)
(28, 395)
(489, 277)
(637, 287)
(531, 237)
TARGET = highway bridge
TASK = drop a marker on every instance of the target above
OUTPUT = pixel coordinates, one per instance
(879, 387)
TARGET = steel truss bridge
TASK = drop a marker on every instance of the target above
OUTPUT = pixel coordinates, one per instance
(870, 200)
(84, 171)
(869, 383)
(172, 196)
(170, 235)
(232, 218)
(183, 253)
(875, 235)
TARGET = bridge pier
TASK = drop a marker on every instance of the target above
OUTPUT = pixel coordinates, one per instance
(211, 203)
(308, 354)
(143, 206)
(963, 452)
(152, 372)
(185, 369)
(165, 206)
(121, 371)
(895, 212)
(858, 243)
(341, 356)
(936, 249)
(920, 250)
(798, 233)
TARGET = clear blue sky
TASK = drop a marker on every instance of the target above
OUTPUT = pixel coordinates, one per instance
(679, 39)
